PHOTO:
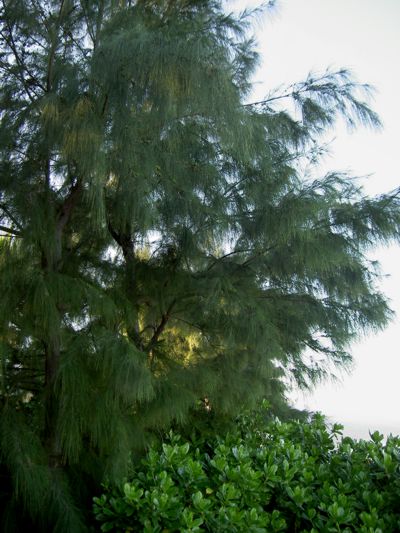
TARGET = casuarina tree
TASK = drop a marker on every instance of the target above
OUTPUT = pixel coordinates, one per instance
(166, 244)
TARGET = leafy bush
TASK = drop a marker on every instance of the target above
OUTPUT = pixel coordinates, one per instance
(296, 476)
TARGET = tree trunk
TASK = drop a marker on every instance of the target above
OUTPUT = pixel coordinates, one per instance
(52, 352)
(127, 244)
(52, 263)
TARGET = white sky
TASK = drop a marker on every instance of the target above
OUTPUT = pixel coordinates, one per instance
(363, 35)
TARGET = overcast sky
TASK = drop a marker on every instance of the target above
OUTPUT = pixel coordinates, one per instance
(363, 35)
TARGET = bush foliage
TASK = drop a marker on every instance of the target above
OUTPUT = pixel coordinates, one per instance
(295, 476)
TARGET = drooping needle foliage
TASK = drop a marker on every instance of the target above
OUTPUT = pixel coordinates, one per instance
(163, 242)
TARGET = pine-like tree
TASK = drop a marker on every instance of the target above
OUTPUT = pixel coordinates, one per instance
(162, 242)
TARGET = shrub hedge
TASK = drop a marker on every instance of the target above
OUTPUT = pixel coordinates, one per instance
(263, 477)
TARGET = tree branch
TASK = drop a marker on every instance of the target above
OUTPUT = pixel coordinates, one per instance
(294, 89)
(218, 259)
(53, 52)
(268, 100)
(10, 231)
(11, 43)
(68, 205)
(11, 216)
(160, 328)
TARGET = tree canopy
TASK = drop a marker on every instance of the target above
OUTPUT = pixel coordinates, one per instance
(165, 244)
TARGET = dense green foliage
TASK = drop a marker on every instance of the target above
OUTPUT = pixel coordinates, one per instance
(163, 241)
(275, 477)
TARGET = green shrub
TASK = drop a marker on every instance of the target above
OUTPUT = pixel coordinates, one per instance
(265, 477)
